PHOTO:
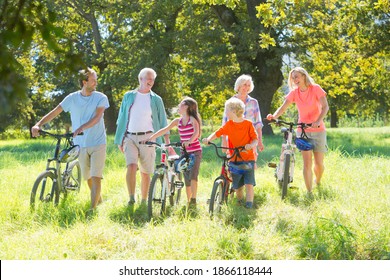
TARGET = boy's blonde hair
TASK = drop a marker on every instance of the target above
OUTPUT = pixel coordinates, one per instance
(236, 106)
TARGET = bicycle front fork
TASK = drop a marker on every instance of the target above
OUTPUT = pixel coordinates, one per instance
(280, 167)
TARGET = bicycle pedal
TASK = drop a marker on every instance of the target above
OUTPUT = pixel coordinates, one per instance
(71, 187)
(293, 187)
(208, 201)
(272, 164)
(179, 184)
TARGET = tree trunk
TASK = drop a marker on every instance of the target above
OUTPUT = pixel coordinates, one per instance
(111, 113)
(333, 116)
(264, 67)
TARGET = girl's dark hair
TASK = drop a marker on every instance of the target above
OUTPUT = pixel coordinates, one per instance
(84, 74)
(192, 110)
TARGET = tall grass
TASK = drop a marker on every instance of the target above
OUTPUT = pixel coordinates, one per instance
(347, 219)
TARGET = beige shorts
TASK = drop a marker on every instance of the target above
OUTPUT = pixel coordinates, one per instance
(318, 139)
(92, 161)
(135, 151)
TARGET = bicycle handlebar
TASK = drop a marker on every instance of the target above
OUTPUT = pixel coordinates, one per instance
(279, 122)
(65, 135)
(162, 146)
(236, 152)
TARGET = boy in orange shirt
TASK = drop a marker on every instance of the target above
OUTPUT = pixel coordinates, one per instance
(240, 132)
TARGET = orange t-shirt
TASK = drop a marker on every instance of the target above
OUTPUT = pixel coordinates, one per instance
(239, 134)
(309, 106)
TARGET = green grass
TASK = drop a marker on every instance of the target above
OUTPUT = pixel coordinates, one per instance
(347, 219)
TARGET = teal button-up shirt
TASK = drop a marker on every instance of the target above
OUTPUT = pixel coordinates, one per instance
(159, 117)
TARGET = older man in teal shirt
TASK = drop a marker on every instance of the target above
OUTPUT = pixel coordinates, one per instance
(142, 112)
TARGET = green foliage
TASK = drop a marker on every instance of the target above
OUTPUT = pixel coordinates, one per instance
(20, 22)
(198, 49)
(358, 121)
(341, 43)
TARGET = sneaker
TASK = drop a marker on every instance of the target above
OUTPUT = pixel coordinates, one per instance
(310, 196)
(131, 202)
(249, 204)
(192, 203)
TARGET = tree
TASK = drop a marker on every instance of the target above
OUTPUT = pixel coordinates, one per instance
(198, 48)
(343, 44)
(256, 47)
(20, 21)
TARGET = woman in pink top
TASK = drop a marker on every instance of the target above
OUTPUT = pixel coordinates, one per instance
(312, 105)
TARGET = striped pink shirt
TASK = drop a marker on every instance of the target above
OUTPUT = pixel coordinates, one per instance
(186, 132)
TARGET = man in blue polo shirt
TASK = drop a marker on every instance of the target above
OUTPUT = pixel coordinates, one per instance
(86, 108)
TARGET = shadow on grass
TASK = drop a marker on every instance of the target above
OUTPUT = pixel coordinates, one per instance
(298, 198)
(65, 215)
(235, 247)
(188, 213)
(327, 239)
(238, 216)
(133, 215)
(356, 145)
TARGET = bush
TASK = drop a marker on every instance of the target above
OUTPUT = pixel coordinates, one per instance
(356, 121)
(15, 134)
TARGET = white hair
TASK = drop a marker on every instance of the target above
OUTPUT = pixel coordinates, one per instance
(241, 80)
(145, 71)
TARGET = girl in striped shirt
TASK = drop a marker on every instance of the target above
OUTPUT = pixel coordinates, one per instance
(189, 127)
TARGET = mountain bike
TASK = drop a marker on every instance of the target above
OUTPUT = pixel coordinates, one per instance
(167, 178)
(222, 186)
(284, 170)
(53, 182)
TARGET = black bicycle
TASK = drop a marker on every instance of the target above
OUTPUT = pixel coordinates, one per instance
(53, 183)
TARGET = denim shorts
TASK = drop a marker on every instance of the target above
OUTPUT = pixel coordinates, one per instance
(248, 178)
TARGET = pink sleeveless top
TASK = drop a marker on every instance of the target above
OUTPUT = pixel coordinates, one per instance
(185, 132)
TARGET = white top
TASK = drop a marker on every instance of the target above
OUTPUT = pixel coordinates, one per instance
(140, 119)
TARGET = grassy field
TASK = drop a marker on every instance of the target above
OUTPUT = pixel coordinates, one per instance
(347, 219)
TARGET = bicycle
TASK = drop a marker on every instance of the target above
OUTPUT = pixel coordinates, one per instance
(222, 186)
(284, 170)
(167, 178)
(52, 182)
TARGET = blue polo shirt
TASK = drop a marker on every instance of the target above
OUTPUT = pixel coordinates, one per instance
(82, 109)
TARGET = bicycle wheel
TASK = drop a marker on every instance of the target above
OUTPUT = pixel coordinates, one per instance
(286, 175)
(157, 196)
(217, 197)
(174, 198)
(45, 189)
(72, 177)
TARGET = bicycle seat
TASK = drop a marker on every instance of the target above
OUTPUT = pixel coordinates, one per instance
(69, 154)
(173, 157)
